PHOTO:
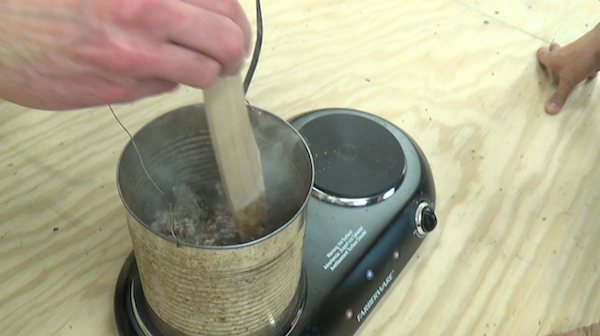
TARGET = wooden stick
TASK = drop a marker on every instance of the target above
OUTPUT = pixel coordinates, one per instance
(237, 154)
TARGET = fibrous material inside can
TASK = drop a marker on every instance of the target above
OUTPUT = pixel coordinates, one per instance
(201, 218)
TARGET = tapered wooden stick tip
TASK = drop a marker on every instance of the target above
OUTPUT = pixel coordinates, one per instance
(238, 155)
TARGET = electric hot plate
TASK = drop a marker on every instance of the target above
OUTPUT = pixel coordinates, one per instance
(372, 206)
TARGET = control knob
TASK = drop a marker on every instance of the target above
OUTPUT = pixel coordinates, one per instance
(425, 219)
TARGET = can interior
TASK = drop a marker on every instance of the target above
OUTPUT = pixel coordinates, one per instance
(176, 148)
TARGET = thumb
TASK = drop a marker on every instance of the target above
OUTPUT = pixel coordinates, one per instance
(558, 99)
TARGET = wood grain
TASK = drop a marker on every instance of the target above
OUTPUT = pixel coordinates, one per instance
(517, 251)
(237, 155)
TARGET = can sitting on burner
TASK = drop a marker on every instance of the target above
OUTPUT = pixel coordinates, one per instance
(192, 288)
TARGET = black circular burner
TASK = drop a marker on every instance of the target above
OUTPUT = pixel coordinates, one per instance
(355, 157)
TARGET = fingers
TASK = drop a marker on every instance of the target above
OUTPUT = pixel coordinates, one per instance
(104, 91)
(197, 40)
(230, 9)
(88, 91)
(149, 59)
(544, 55)
(147, 88)
(211, 33)
(558, 99)
(177, 64)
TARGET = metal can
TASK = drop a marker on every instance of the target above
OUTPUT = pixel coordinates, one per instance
(240, 289)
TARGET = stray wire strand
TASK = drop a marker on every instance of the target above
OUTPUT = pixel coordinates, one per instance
(257, 47)
(251, 107)
(146, 171)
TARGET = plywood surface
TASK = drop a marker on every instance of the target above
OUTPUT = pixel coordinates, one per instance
(518, 248)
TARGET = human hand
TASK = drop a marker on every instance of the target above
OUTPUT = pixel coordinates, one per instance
(66, 54)
(573, 63)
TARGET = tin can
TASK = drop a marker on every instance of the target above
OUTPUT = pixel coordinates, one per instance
(239, 289)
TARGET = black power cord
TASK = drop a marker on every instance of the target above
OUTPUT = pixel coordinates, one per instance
(257, 47)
